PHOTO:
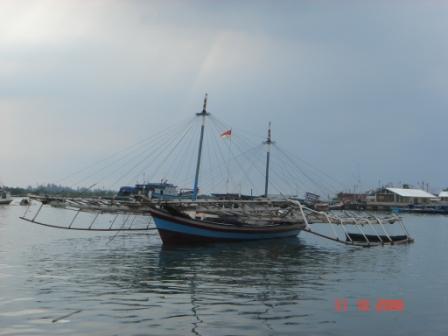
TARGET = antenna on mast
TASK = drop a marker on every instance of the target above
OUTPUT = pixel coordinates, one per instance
(204, 108)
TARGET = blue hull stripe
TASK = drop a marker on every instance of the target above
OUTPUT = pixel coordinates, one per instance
(185, 229)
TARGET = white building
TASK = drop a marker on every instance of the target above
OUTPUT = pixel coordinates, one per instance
(443, 195)
(403, 195)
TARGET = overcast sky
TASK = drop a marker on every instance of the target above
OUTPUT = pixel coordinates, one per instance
(357, 88)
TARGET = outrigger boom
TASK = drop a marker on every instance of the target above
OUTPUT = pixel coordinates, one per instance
(251, 214)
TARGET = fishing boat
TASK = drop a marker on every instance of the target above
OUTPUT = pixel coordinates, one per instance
(194, 218)
(5, 197)
(204, 221)
(189, 222)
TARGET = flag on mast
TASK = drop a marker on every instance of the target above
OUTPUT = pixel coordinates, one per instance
(226, 134)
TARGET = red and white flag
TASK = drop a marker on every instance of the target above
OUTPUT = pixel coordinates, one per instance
(226, 134)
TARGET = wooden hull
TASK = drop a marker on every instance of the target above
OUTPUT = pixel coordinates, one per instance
(176, 230)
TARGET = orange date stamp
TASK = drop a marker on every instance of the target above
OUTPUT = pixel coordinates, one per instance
(365, 305)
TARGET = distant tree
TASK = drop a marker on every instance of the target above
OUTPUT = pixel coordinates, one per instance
(58, 190)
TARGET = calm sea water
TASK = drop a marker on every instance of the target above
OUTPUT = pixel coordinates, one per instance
(57, 282)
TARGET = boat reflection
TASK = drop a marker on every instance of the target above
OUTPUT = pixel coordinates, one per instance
(238, 276)
(134, 279)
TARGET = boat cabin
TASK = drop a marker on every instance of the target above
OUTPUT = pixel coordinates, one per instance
(5, 197)
(150, 190)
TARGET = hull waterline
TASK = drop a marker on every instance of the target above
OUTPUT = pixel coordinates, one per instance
(181, 231)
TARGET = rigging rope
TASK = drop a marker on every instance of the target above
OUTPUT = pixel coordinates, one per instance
(125, 150)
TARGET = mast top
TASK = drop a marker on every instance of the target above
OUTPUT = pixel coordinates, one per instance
(269, 139)
(204, 108)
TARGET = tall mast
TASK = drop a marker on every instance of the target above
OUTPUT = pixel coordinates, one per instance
(202, 114)
(269, 143)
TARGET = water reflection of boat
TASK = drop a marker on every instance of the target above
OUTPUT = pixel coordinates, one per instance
(193, 285)
(219, 256)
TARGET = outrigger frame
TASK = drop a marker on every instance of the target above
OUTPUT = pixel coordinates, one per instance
(253, 211)
(128, 209)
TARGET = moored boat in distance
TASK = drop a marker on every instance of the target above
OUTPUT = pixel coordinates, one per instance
(5, 197)
(161, 190)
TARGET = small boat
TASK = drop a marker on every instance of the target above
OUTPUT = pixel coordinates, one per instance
(321, 206)
(25, 201)
(5, 197)
(161, 190)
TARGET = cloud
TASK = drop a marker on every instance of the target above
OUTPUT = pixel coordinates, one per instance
(344, 84)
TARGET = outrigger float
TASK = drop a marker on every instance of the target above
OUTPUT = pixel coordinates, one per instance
(197, 221)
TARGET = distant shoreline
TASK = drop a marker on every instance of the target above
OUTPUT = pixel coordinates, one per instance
(58, 190)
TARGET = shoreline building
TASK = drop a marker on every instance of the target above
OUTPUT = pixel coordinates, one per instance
(403, 196)
(443, 195)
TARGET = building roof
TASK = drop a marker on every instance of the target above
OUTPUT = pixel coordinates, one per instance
(411, 192)
(443, 194)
